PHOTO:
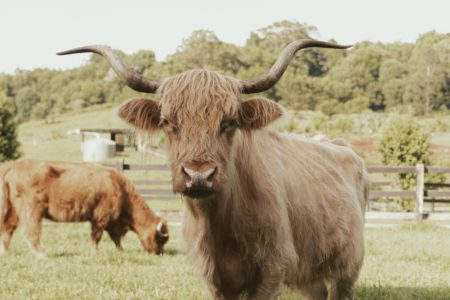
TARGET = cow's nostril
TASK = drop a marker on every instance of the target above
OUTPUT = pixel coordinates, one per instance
(183, 170)
(211, 176)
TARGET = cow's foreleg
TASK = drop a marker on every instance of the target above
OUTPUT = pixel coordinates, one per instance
(7, 229)
(32, 228)
(315, 291)
(271, 283)
(215, 291)
(96, 235)
(116, 238)
(342, 289)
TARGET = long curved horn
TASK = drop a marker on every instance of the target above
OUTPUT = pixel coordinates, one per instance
(159, 230)
(133, 79)
(266, 81)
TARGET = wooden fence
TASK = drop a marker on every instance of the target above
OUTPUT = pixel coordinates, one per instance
(160, 189)
(423, 192)
(154, 189)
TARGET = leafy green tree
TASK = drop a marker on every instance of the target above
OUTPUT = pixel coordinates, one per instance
(361, 69)
(203, 49)
(392, 82)
(264, 46)
(428, 85)
(9, 145)
(301, 92)
(25, 100)
(400, 52)
(370, 75)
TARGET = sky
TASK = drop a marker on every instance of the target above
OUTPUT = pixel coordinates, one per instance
(32, 31)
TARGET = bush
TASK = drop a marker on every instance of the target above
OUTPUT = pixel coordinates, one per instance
(318, 121)
(290, 124)
(9, 145)
(404, 143)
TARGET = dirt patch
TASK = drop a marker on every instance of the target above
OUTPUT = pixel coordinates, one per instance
(366, 146)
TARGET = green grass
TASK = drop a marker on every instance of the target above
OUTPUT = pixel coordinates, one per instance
(407, 262)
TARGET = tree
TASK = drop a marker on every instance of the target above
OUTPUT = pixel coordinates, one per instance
(203, 49)
(429, 85)
(9, 145)
(361, 69)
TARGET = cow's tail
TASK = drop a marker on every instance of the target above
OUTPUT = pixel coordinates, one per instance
(4, 196)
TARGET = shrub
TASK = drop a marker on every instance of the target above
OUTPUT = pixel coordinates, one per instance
(318, 121)
(9, 145)
(290, 124)
(404, 143)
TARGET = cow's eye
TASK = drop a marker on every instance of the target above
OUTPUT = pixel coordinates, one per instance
(227, 126)
(169, 126)
(174, 129)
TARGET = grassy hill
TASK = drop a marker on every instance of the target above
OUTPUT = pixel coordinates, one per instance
(50, 141)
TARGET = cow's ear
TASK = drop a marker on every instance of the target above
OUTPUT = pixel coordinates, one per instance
(257, 113)
(141, 113)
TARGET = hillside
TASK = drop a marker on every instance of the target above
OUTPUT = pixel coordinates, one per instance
(50, 141)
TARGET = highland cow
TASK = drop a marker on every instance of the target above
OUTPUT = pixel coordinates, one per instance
(74, 192)
(263, 209)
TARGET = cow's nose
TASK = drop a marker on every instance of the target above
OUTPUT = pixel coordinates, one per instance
(199, 176)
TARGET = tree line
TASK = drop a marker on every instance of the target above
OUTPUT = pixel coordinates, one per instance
(370, 75)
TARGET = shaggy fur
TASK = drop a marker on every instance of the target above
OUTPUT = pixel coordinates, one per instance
(69, 192)
(285, 210)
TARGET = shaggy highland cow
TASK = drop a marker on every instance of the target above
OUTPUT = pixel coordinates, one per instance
(263, 209)
(69, 192)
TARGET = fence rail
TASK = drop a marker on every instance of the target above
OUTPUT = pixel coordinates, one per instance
(422, 193)
(160, 189)
(142, 185)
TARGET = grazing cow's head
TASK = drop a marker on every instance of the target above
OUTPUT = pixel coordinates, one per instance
(200, 111)
(155, 237)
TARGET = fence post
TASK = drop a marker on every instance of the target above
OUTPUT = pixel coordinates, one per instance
(120, 165)
(419, 191)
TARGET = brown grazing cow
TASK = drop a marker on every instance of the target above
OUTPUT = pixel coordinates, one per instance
(262, 208)
(70, 192)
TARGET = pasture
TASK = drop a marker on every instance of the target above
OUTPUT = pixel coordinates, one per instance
(407, 262)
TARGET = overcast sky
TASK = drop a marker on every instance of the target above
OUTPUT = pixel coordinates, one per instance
(31, 31)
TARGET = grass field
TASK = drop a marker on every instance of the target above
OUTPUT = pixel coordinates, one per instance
(408, 262)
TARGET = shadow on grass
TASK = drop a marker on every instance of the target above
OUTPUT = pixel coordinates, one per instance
(61, 254)
(400, 293)
(171, 252)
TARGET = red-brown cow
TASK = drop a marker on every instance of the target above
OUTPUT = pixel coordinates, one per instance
(70, 192)
(262, 208)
